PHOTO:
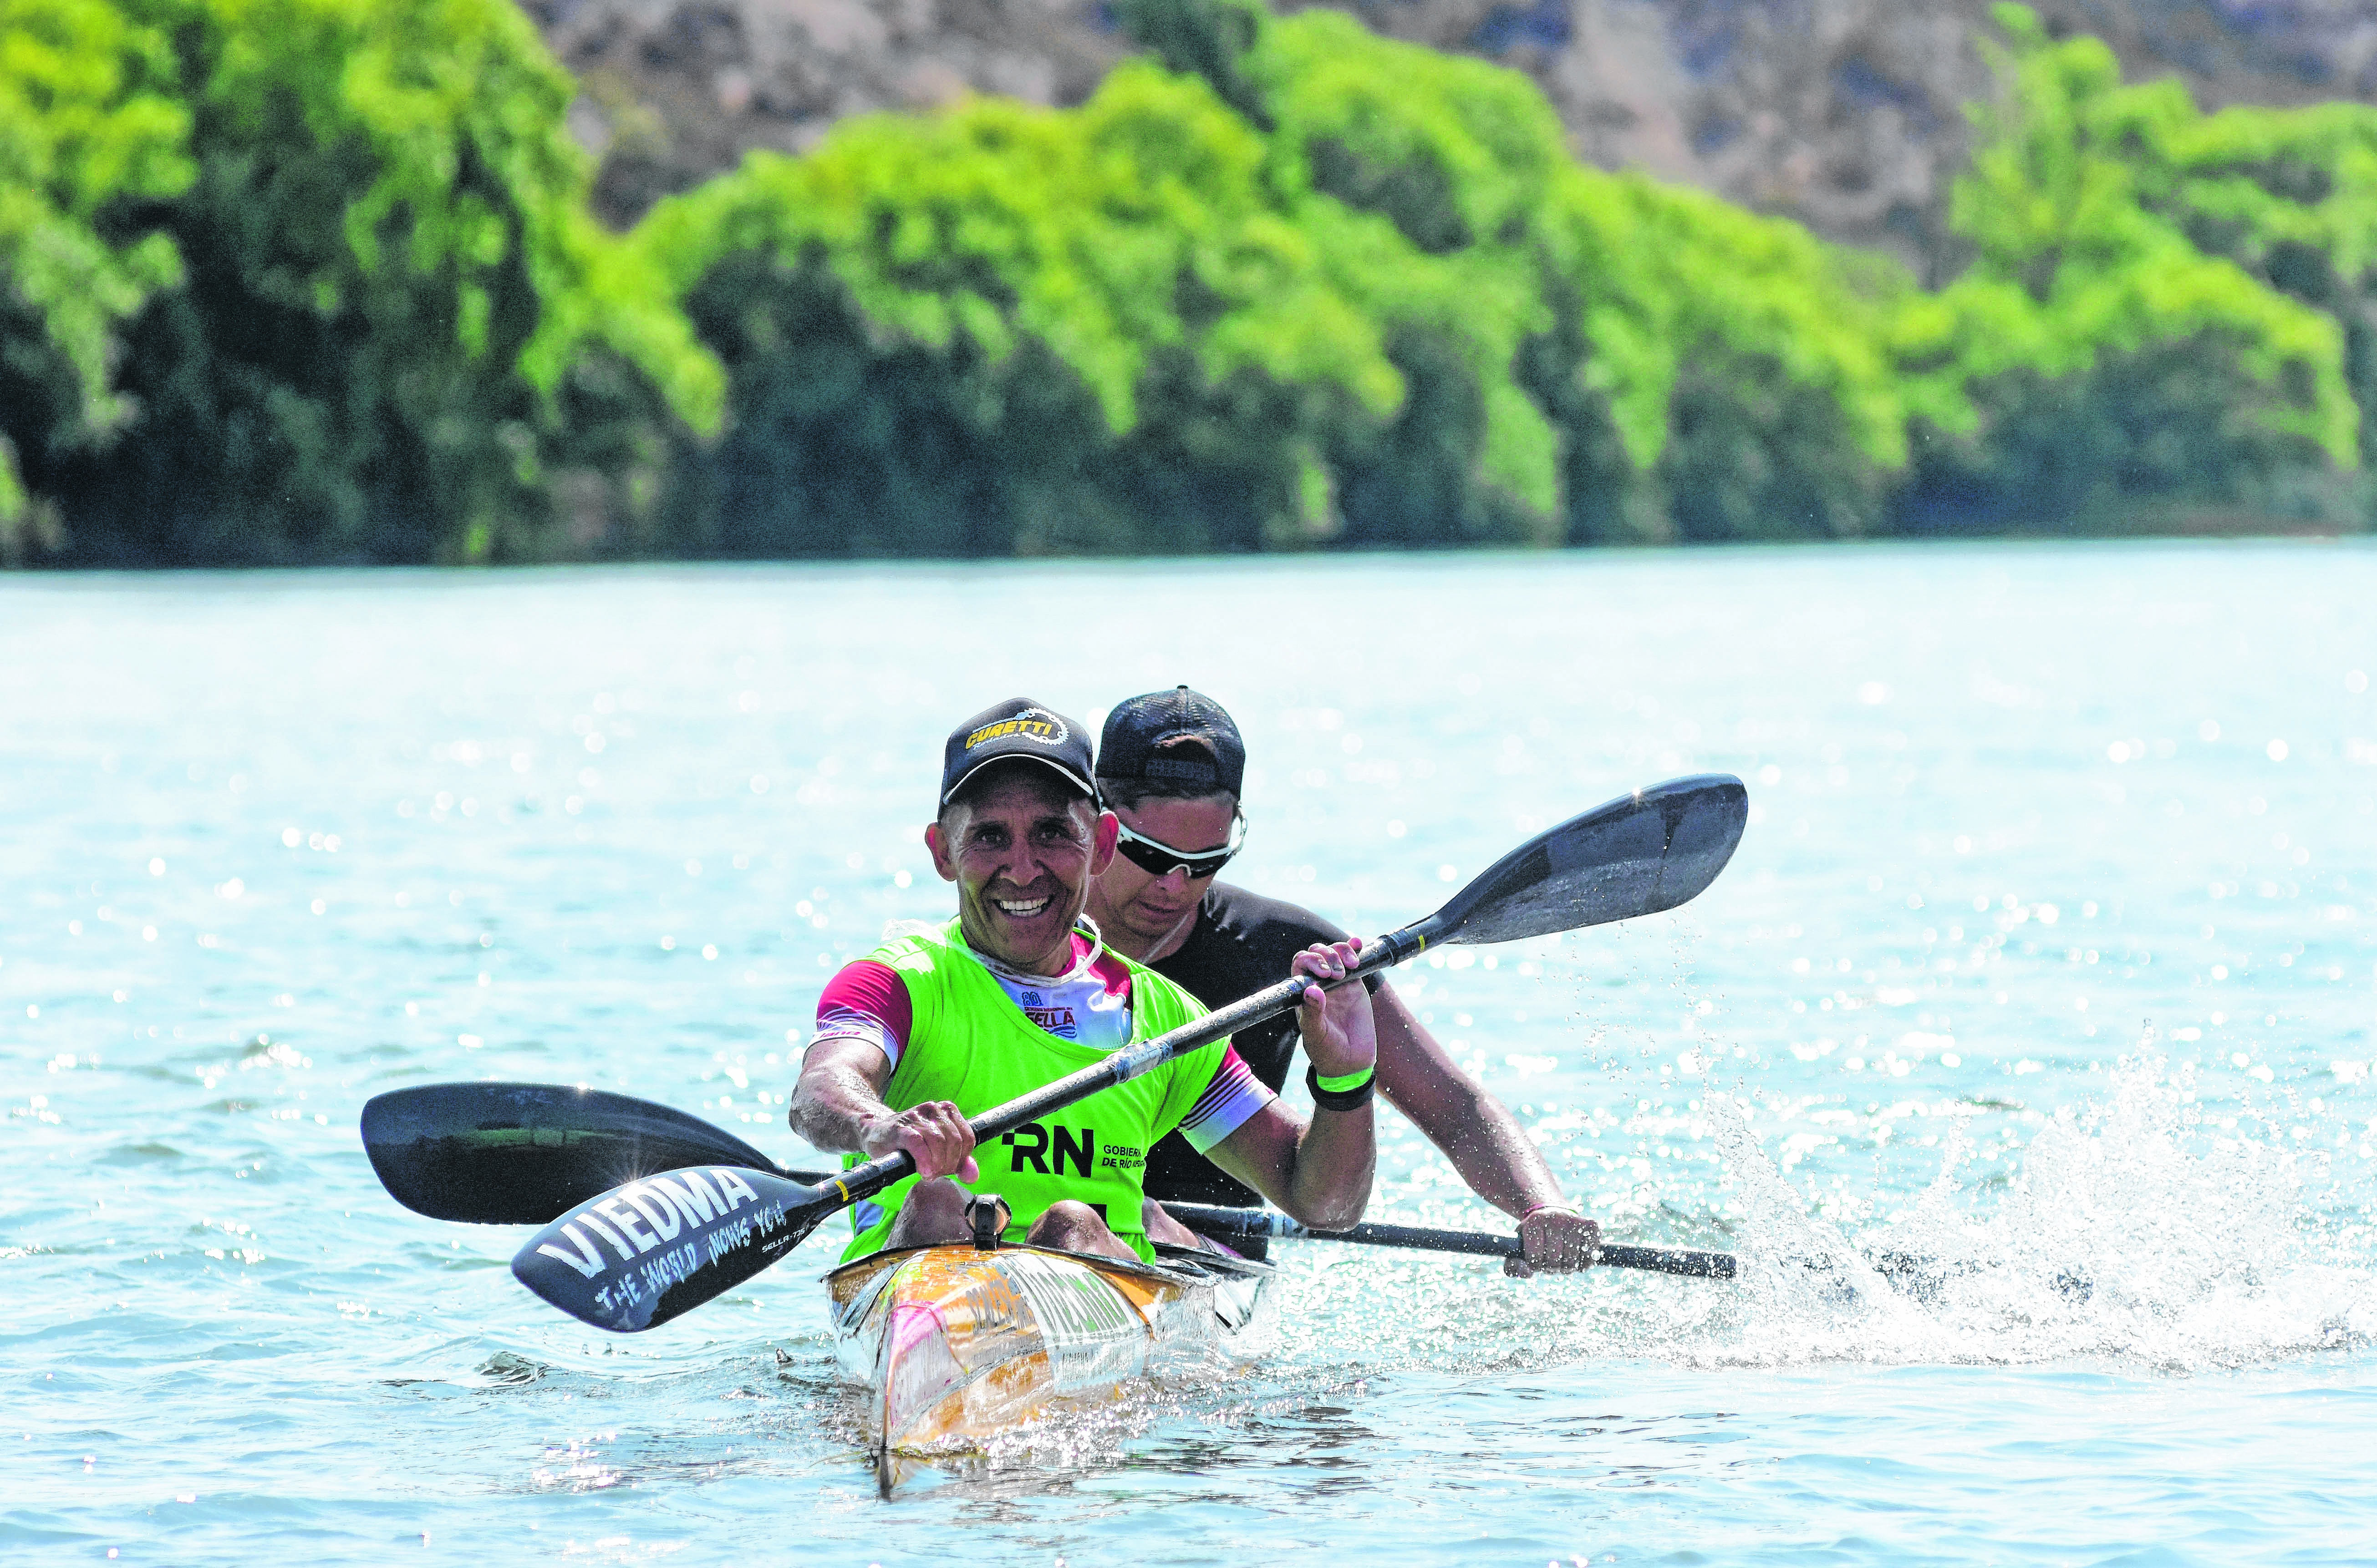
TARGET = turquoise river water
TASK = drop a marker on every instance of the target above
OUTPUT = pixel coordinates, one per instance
(2050, 954)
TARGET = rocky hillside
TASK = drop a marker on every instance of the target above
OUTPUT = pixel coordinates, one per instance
(1843, 113)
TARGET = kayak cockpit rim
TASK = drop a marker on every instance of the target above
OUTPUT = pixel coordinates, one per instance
(1200, 1267)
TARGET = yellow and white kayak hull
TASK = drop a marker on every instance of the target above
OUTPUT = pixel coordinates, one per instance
(955, 1346)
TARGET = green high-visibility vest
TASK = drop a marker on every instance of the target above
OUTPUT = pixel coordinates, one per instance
(970, 1044)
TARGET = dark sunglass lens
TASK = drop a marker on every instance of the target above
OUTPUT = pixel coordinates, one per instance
(1159, 862)
(1153, 861)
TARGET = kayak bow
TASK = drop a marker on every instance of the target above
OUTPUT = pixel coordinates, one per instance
(954, 1346)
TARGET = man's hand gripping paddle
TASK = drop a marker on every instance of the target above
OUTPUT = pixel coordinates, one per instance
(658, 1247)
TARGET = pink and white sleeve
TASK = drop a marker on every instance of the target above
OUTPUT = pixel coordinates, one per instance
(865, 1000)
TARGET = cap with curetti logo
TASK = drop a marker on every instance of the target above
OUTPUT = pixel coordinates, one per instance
(1016, 729)
(1179, 736)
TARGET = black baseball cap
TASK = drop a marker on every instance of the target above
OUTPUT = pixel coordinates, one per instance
(1018, 728)
(1177, 736)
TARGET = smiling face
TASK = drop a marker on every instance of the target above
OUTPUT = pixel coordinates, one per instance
(1023, 850)
(1147, 916)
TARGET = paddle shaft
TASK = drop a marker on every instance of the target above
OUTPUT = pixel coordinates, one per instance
(1212, 1221)
(865, 1180)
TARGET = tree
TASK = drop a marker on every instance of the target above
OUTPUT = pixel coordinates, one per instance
(89, 117)
(1008, 327)
(2112, 360)
(394, 329)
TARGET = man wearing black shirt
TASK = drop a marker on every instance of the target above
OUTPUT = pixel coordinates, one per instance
(1170, 767)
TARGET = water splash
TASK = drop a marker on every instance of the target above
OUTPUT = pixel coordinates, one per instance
(2136, 1230)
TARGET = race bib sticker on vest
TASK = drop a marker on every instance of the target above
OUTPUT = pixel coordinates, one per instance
(1090, 1006)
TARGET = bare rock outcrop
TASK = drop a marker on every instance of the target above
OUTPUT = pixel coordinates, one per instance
(676, 90)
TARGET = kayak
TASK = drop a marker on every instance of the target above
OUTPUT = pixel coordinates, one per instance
(955, 1346)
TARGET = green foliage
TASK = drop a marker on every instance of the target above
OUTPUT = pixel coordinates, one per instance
(88, 116)
(397, 334)
(2127, 333)
(1203, 37)
(1457, 155)
(1577, 301)
(1744, 363)
(1016, 282)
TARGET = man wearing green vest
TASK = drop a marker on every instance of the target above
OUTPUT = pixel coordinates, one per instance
(941, 1023)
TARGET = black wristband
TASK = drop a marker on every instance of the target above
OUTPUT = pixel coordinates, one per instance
(1339, 1099)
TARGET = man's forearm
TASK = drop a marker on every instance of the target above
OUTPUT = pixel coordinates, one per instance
(1475, 1131)
(1490, 1149)
(832, 1106)
(1336, 1163)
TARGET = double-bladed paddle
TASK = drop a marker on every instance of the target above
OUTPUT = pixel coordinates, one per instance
(526, 1154)
(659, 1246)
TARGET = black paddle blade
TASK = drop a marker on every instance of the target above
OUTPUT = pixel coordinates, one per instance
(1637, 855)
(521, 1154)
(655, 1249)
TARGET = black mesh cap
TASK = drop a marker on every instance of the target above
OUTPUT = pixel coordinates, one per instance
(1018, 728)
(1177, 736)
